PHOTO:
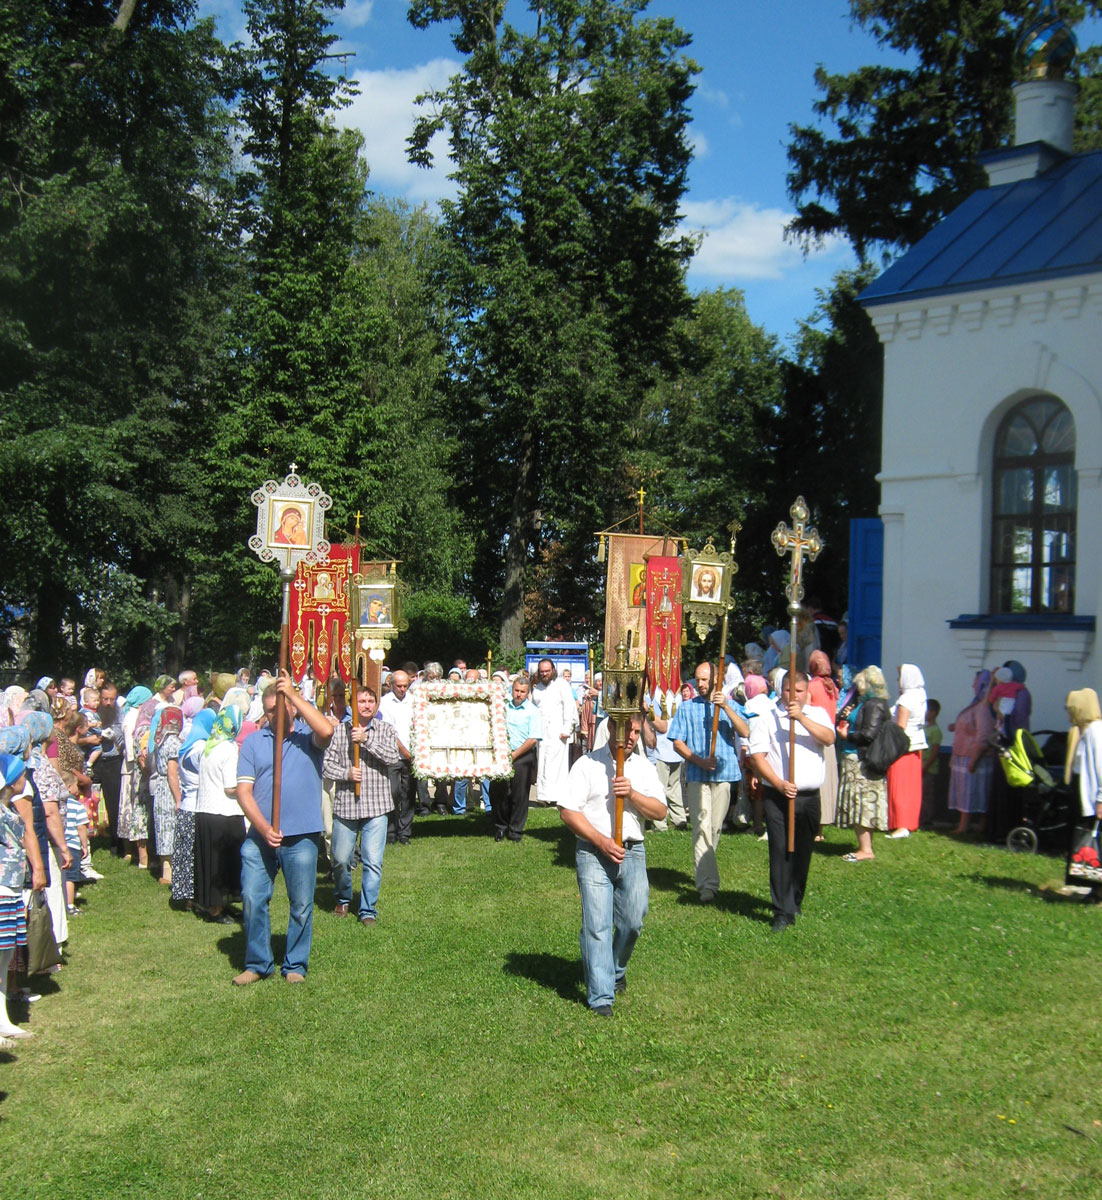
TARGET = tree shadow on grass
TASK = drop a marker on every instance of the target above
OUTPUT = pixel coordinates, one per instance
(1003, 881)
(553, 971)
(560, 838)
(452, 826)
(666, 879)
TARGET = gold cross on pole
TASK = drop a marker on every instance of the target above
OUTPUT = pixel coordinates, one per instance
(640, 493)
(801, 539)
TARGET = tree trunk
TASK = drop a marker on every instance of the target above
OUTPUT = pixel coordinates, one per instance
(46, 640)
(521, 526)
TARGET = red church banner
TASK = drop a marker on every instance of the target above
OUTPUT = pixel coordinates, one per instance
(663, 584)
(321, 625)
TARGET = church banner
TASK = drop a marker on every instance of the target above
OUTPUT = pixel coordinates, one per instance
(626, 587)
(320, 618)
(663, 592)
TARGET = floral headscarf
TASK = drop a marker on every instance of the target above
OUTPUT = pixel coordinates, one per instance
(226, 727)
(15, 739)
(39, 726)
(172, 721)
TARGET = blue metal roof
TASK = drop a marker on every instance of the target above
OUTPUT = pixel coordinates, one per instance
(1039, 228)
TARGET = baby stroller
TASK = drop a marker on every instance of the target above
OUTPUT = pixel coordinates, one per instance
(1046, 802)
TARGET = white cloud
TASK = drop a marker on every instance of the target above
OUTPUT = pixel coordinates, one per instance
(357, 13)
(384, 112)
(744, 241)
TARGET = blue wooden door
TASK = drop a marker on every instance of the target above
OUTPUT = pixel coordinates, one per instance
(866, 590)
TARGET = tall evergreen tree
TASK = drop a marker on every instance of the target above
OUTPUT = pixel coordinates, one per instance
(906, 139)
(111, 212)
(570, 150)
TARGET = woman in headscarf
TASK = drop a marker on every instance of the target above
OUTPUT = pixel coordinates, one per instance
(220, 826)
(823, 691)
(12, 703)
(863, 801)
(973, 762)
(197, 726)
(51, 794)
(165, 785)
(757, 702)
(905, 774)
(777, 652)
(133, 816)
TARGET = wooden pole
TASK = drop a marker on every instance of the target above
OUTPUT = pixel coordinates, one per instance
(791, 772)
(286, 574)
(618, 827)
(717, 681)
(355, 724)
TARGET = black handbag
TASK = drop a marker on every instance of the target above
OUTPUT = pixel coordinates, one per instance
(42, 951)
(888, 745)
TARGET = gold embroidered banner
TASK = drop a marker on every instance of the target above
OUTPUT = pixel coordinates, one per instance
(626, 585)
(663, 623)
(320, 619)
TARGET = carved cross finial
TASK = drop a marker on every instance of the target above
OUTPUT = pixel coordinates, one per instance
(801, 539)
(733, 529)
(294, 468)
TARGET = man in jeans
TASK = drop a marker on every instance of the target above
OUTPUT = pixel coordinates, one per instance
(361, 803)
(612, 879)
(293, 847)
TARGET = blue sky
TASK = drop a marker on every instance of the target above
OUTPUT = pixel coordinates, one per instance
(757, 65)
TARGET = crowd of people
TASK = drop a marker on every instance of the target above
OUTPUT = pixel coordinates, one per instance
(178, 779)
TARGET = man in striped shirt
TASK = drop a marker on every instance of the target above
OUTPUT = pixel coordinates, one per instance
(361, 802)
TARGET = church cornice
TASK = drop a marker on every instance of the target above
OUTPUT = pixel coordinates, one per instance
(1003, 308)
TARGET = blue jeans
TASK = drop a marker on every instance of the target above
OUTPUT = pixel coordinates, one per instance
(614, 903)
(459, 800)
(371, 832)
(297, 858)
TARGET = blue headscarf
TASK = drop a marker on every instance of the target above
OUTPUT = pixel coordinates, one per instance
(136, 697)
(11, 768)
(200, 730)
(38, 725)
(14, 739)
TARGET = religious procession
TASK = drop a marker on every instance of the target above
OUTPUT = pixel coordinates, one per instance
(550, 572)
(216, 786)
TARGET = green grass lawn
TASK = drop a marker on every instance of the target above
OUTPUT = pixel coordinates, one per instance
(929, 1029)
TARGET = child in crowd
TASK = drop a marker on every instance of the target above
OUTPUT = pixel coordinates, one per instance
(930, 768)
(89, 707)
(76, 838)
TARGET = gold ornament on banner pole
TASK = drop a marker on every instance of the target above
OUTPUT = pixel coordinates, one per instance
(622, 698)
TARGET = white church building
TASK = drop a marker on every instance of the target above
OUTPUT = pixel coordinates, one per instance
(991, 468)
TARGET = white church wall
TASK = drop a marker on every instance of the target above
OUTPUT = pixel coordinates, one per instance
(953, 367)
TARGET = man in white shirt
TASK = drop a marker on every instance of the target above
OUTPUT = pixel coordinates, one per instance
(559, 717)
(612, 879)
(769, 755)
(396, 708)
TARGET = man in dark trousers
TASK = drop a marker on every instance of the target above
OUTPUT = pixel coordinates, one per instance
(769, 758)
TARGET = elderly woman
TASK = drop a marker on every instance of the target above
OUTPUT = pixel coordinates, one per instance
(905, 774)
(133, 817)
(219, 825)
(165, 784)
(973, 762)
(863, 803)
(823, 692)
(1084, 752)
(51, 794)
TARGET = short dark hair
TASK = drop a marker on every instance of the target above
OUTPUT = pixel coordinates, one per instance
(794, 675)
(554, 670)
(935, 705)
(371, 692)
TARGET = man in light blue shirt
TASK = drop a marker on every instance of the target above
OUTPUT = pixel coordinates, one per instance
(708, 777)
(509, 797)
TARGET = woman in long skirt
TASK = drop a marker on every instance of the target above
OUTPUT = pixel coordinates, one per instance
(972, 764)
(165, 785)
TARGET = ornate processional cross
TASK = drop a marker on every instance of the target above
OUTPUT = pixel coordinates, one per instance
(800, 540)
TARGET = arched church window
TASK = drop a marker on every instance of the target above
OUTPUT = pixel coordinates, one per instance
(1034, 504)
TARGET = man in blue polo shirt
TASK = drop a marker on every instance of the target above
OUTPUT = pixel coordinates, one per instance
(708, 777)
(509, 797)
(293, 847)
